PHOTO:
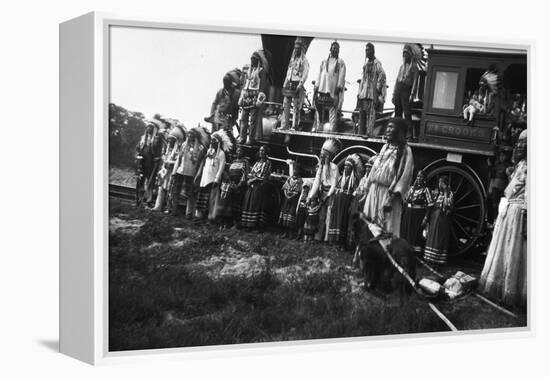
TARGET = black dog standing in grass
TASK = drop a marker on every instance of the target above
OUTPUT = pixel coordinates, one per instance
(378, 271)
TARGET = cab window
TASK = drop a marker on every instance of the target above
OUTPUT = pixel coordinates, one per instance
(445, 89)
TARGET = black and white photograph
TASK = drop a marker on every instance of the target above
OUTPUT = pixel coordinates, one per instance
(272, 188)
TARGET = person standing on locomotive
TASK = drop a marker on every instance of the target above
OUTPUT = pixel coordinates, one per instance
(225, 108)
(389, 179)
(329, 87)
(504, 275)
(175, 139)
(293, 87)
(405, 86)
(149, 152)
(416, 210)
(371, 89)
(186, 170)
(324, 185)
(253, 96)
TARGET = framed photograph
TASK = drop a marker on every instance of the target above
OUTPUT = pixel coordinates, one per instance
(248, 188)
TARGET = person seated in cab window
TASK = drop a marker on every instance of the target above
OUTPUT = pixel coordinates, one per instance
(473, 107)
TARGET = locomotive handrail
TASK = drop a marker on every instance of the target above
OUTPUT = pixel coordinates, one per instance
(381, 140)
(303, 154)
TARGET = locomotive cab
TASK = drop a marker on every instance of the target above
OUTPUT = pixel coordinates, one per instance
(453, 79)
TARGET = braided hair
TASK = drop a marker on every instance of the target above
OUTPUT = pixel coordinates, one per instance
(400, 140)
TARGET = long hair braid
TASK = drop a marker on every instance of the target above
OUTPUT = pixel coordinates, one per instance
(400, 142)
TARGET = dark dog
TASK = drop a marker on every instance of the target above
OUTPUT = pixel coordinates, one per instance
(378, 271)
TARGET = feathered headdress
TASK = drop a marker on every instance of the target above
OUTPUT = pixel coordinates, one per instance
(422, 62)
(155, 123)
(224, 141)
(357, 163)
(331, 146)
(201, 135)
(178, 132)
(491, 80)
(415, 50)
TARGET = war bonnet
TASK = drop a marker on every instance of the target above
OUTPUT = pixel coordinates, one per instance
(331, 146)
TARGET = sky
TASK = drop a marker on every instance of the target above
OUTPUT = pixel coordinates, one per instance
(176, 73)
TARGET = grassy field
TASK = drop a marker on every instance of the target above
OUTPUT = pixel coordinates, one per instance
(173, 284)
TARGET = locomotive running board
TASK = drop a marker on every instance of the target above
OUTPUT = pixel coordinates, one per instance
(380, 140)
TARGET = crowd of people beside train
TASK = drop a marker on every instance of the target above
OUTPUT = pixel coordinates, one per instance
(206, 178)
(204, 173)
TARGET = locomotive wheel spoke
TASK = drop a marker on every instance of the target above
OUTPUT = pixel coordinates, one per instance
(468, 206)
(474, 221)
(459, 184)
(462, 229)
(464, 196)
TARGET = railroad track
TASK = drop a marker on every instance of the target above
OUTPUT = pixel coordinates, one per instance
(482, 298)
(122, 192)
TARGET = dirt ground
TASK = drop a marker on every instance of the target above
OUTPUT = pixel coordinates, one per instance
(172, 283)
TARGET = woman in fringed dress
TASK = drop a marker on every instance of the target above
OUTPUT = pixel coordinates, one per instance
(254, 213)
(232, 190)
(504, 275)
(415, 212)
(439, 224)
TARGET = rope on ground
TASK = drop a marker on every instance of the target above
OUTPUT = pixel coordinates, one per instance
(442, 317)
(487, 301)
(429, 268)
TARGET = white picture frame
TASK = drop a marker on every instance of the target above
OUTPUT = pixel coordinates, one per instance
(84, 99)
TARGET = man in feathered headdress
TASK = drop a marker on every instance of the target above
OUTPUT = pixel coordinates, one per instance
(253, 96)
(175, 138)
(329, 87)
(371, 89)
(324, 184)
(342, 199)
(186, 170)
(293, 87)
(389, 179)
(149, 152)
(405, 84)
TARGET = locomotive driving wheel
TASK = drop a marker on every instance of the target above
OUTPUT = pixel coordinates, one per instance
(468, 213)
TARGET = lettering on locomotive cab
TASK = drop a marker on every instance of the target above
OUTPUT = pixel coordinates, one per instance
(479, 134)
